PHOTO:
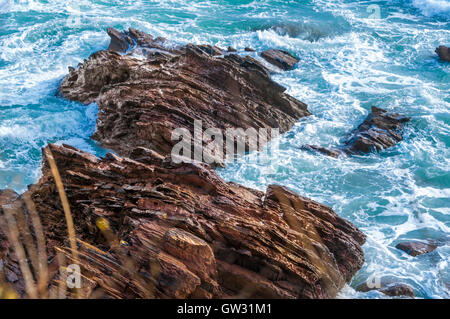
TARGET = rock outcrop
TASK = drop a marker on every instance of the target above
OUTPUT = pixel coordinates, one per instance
(142, 100)
(444, 53)
(282, 59)
(416, 248)
(379, 131)
(151, 228)
(147, 227)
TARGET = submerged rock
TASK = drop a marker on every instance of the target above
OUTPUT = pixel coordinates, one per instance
(180, 231)
(444, 53)
(282, 59)
(416, 248)
(120, 42)
(379, 131)
(141, 101)
(323, 150)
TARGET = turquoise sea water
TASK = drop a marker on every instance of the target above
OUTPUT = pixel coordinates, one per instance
(351, 58)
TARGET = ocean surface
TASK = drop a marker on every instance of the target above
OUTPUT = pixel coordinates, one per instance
(353, 54)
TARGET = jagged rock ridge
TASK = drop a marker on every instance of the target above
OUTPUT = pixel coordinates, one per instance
(142, 100)
(189, 233)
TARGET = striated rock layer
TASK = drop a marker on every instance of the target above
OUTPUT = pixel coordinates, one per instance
(380, 130)
(180, 231)
(158, 87)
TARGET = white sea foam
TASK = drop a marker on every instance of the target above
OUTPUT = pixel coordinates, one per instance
(433, 7)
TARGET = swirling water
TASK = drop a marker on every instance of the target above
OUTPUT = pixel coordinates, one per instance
(353, 55)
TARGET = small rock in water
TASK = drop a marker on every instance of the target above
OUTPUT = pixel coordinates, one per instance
(323, 150)
(231, 49)
(249, 49)
(416, 248)
(444, 53)
(398, 289)
(120, 42)
(282, 59)
(379, 131)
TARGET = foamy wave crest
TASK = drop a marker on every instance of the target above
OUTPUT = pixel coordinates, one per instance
(433, 7)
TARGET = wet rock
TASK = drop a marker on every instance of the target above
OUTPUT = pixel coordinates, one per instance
(398, 289)
(120, 42)
(148, 227)
(444, 53)
(231, 49)
(142, 101)
(416, 248)
(282, 59)
(393, 289)
(189, 233)
(247, 49)
(211, 50)
(379, 131)
(323, 150)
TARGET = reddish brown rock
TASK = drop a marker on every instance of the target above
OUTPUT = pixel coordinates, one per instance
(398, 290)
(389, 287)
(416, 248)
(179, 231)
(282, 59)
(444, 53)
(379, 131)
(141, 101)
(323, 150)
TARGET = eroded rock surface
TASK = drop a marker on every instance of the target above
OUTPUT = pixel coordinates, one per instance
(282, 59)
(389, 288)
(157, 87)
(379, 131)
(179, 231)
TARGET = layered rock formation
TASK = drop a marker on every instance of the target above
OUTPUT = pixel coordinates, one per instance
(392, 289)
(180, 231)
(379, 131)
(282, 59)
(149, 228)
